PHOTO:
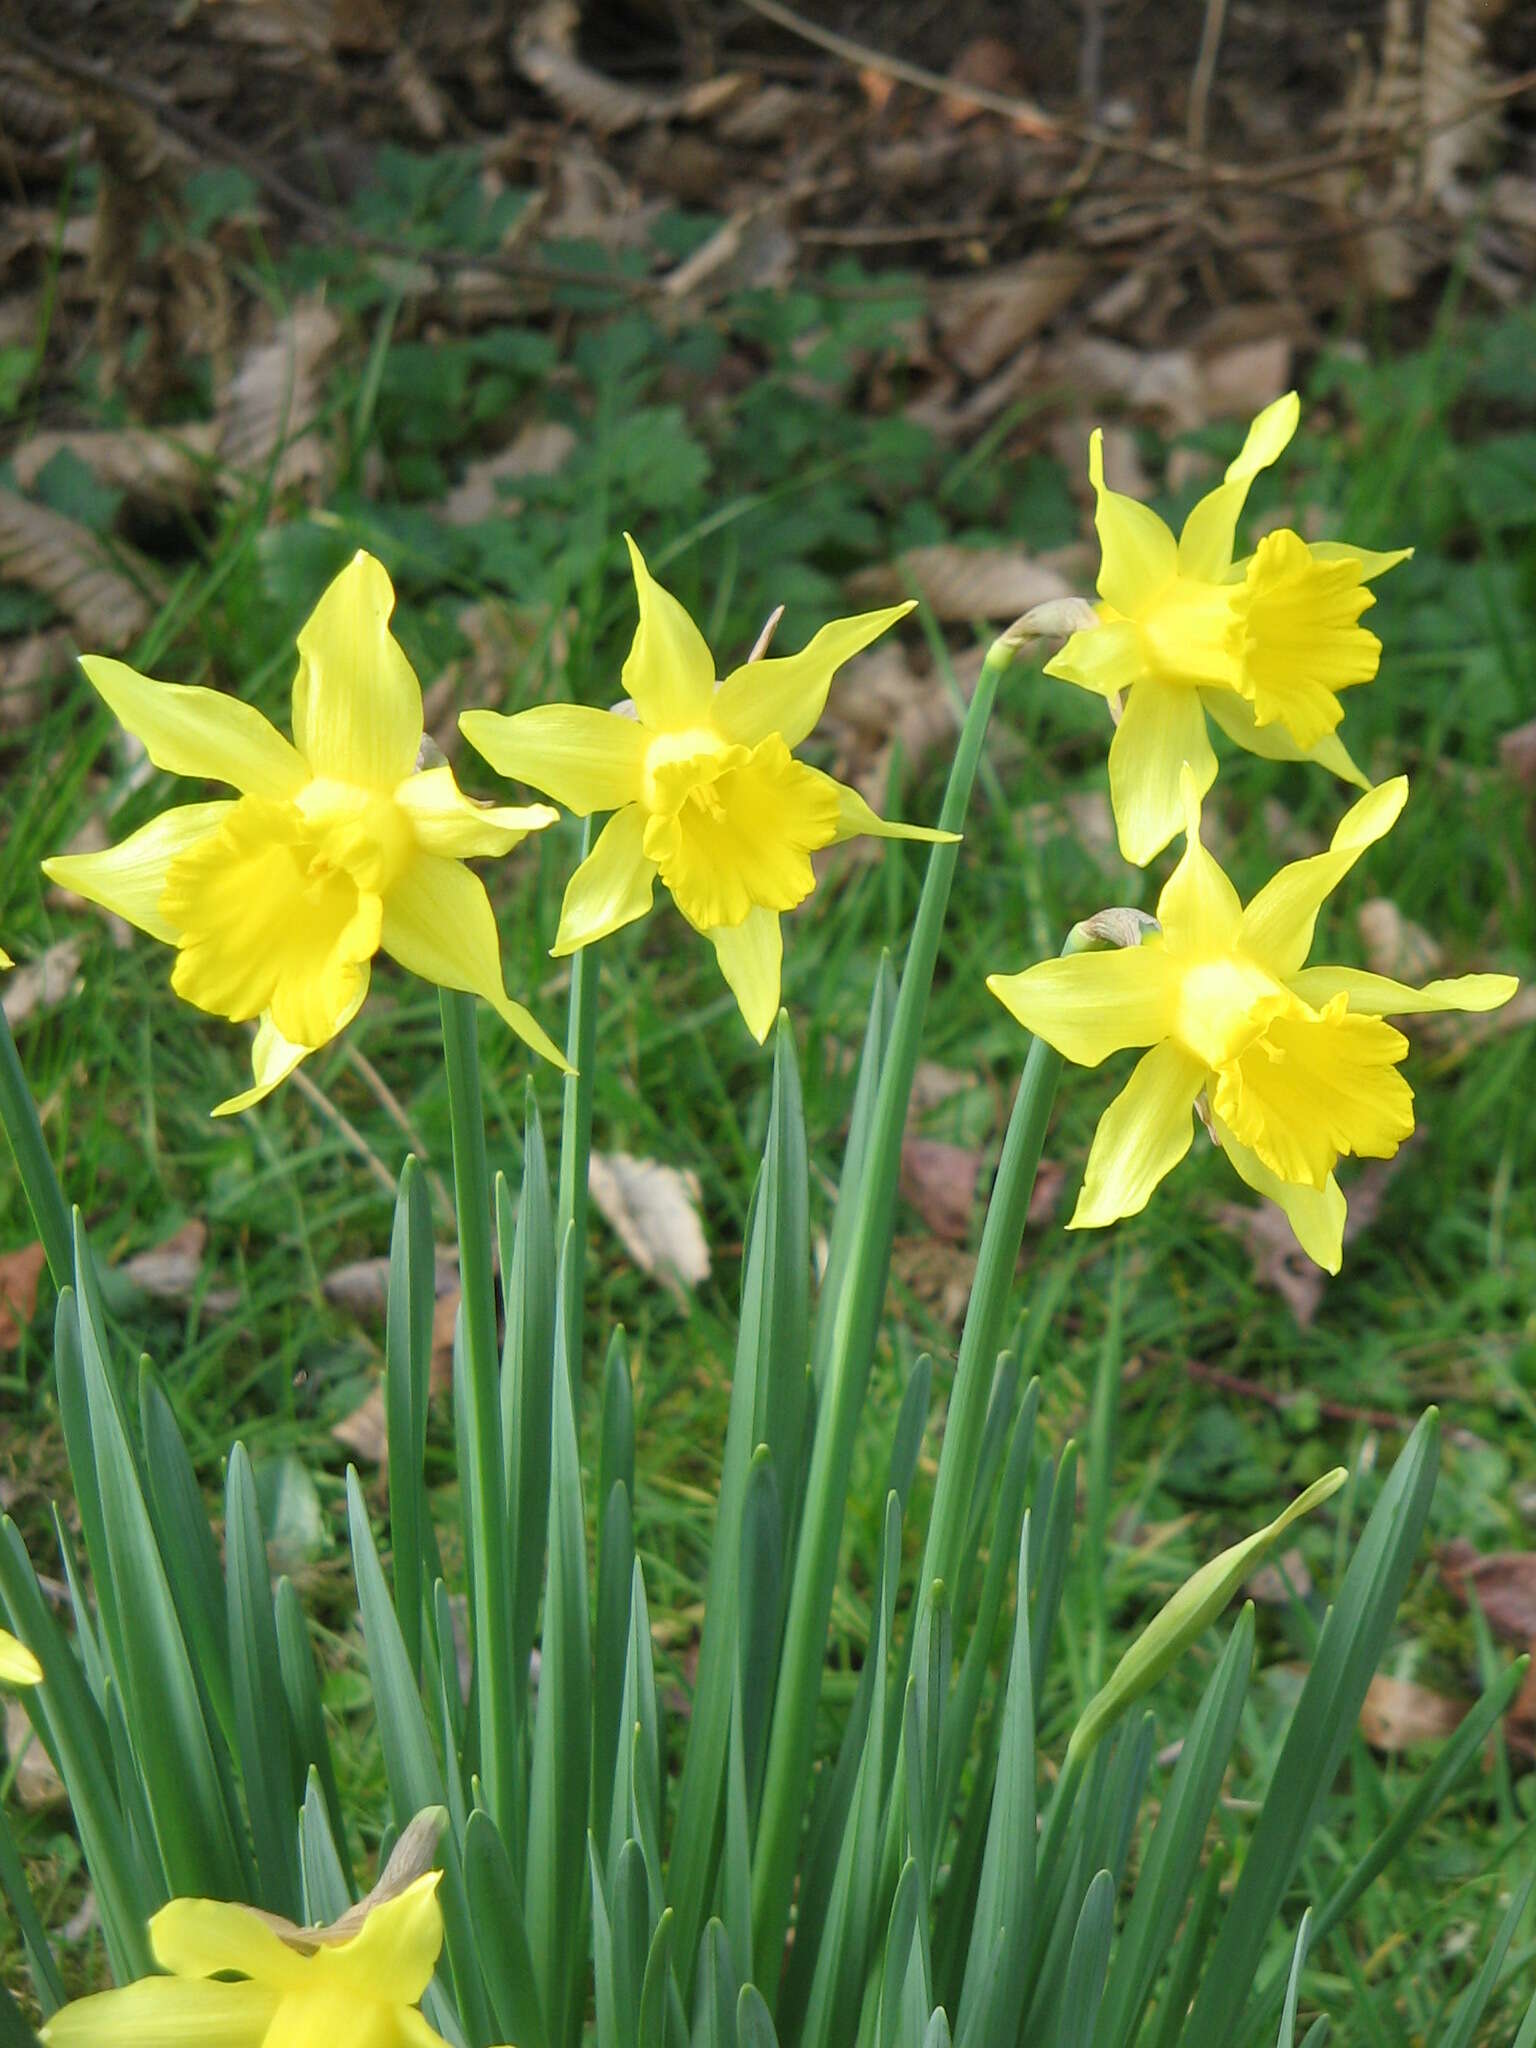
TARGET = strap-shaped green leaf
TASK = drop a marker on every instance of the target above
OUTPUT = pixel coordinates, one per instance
(268, 1766)
(770, 1353)
(1086, 1967)
(306, 1716)
(501, 1937)
(73, 1730)
(1348, 1652)
(180, 1518)
(716, 1990)
(409, 1304)
(557, 1814)
(1172, 1858)
(992, 1999)
(327, 1884)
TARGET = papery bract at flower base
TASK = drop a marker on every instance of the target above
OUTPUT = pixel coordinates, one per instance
(360, 1993)
(1265, 645)
(703, 785)
(339, 846)
(18, 1666)
(1297, 1065)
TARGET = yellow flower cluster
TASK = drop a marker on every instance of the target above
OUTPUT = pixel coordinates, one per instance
(348, 840)
(1292, 1067)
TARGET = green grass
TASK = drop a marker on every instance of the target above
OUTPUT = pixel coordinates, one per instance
(773, 490)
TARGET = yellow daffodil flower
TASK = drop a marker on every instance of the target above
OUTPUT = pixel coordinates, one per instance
(703, 785)
(1296, 1064)
(5, 958)
(338, 846)
(358, 1993)
(18, 1666)
(1265, 645)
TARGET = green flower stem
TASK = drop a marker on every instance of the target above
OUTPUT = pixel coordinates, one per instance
(996, 1262)
(45, 1198)
(576, 1143)
(485, 1500)
(857, 1313)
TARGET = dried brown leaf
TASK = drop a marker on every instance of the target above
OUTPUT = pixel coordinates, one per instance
(365, 1432)
(938, 1274)
(654, 1211)
(1397, 1714)
(161, 466)
(1517, 752)
(1503, 1584)
(362, 1286)
(169, 1271)
(984, 321)
(539, 449)
(933, 1084)
(37, 1784)
(1394, 945)
(41, 984)
(960, 583)
(1273, 1584)
(939, 1180)
(66, 563)
(20, 1272)
(544, 50)
(1457, 131)
(26, 666)
(267, 414)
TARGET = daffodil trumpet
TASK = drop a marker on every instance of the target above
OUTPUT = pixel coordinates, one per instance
(1294, 1067)
(1265, 645)
(339, 845)
(703, 785)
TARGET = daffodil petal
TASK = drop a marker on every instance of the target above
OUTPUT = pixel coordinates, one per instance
(205, 1937)
(438, 923)
(787, 694)
(129, 878)
(612, 887)
(5, 958)
(416, 2032)
(18, 1666)
(1316, 1215)
(273, 1057)
(1272, 742)
(585, 759)
(356, 700)
(669, 672)
(1141, 1137)
(1374, 995)
(448, 822)
(1373, 561)
(1106, 659)
(1198, 909)
(1139, 554)
(166, 2012)
(1205, 545)
(1162, 729)
(190, 731)
(855, 819)
(395, 1952)
(1278, 925)
(751, 957)
(1089, 1005)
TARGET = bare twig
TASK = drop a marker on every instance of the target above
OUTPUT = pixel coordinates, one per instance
(1204, 76)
